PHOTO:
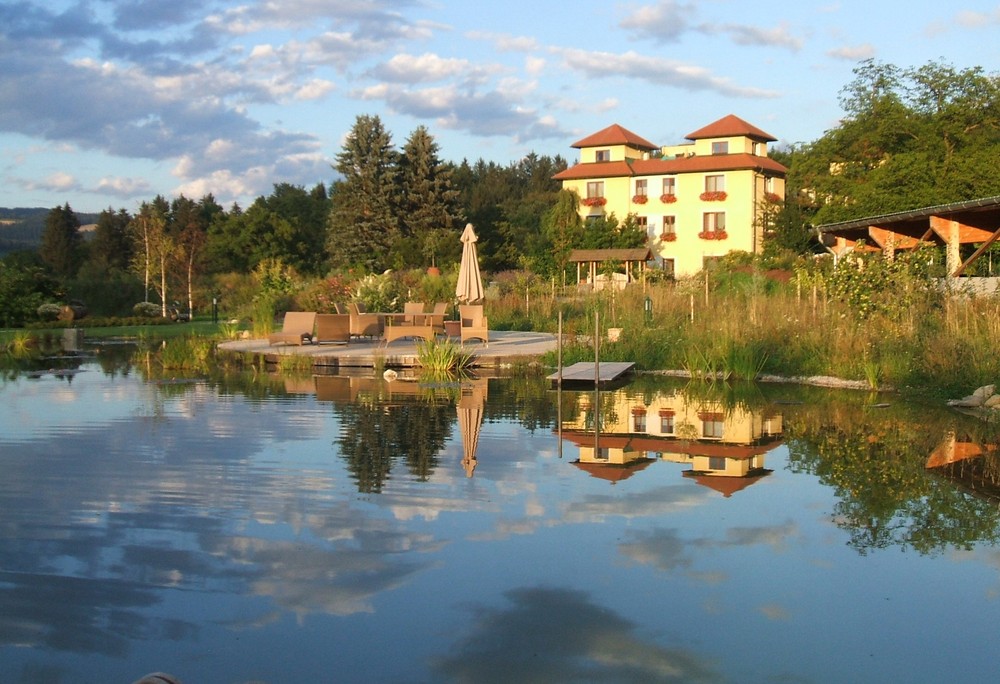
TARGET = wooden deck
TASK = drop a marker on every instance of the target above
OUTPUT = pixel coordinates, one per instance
(584, 372)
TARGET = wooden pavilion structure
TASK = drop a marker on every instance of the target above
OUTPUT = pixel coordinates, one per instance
(593, 258)
(951, 225)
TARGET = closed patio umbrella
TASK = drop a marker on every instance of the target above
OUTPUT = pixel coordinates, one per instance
(469, 289)
(470, 420)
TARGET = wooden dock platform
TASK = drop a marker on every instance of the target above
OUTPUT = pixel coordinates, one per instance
(583, 372)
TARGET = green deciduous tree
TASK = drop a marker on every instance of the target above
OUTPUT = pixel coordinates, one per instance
(564, 229)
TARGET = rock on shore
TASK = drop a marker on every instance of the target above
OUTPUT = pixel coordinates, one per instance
(985, 397)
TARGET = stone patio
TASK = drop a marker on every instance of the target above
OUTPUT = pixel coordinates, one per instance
(505, 348)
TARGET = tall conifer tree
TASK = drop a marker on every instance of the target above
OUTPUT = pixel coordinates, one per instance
(62, 244)
(363, 222)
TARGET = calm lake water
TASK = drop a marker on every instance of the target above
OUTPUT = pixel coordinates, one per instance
(269, 529)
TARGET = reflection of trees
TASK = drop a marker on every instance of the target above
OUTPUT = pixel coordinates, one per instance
(525, 399)
(374, 435)
(875, 462)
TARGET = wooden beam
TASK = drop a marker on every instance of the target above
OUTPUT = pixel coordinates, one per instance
(978, 253)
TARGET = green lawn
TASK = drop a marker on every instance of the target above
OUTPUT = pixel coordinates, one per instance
(198, 327)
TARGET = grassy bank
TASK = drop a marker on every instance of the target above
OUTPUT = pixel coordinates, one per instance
(917, 340)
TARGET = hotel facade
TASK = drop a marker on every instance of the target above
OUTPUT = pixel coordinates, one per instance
(697, 201)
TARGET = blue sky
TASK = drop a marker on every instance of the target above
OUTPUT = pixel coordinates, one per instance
(107, 103)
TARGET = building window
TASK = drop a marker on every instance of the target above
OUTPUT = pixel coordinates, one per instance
(769, 184)
(714, 222)
(639, 422)
(711, 425)
(716, 463)
(670, 225)
(640, 188)
(642, 222)
(666, 423)
(602, 454)
(603, 155)
(720, 147)
(595, 189)
(669, 186)
(715, 183)
(669, 268)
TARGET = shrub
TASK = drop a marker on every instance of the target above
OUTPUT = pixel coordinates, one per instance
(147, 310)
(49, 311)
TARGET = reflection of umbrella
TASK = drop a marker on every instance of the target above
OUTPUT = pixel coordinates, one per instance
(470, 420)
(470, 284)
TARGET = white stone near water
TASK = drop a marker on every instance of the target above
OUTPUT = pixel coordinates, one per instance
(983, 397)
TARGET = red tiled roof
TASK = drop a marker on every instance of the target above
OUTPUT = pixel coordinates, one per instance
(712, 162)
(595, 170)
(727, 485)
(728, 126)
(670, 445)
(657, 167)
(613, 472)
(615, 135)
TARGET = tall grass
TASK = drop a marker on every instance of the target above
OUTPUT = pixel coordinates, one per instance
(926, 343)
(434, 355)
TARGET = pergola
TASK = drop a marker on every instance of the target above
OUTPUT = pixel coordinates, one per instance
(595, 257)
(951, 225)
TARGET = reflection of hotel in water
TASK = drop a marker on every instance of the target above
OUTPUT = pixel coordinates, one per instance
(725, 448)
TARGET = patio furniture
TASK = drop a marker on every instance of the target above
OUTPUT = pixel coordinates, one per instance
(413, 312)
(397, 328)
(474, 323)
(296, 328)
(437, 316)
(333, 328)
(364, 324)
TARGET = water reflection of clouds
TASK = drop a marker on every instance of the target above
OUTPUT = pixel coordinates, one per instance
(556, 635)
(653, 502)
(665, 549)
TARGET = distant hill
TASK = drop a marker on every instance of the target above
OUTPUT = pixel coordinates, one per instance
(22, 227)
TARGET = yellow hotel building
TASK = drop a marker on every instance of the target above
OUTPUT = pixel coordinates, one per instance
(698, 200)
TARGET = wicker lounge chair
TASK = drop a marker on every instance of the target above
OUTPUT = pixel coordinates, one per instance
(364, 324)
(474, 323)
(297, 328)
(333, 328)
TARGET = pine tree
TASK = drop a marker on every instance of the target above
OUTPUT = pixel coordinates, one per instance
(110, 247)
(430, 213)
(363, 220)
(62, 244)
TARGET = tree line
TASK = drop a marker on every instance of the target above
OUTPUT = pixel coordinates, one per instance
(909, 138)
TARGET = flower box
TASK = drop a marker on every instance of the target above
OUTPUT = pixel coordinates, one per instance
(594, 201)
(639, 199)
(716, 196)
(668, 198)
(713, 235)
(669, 237)
(772, 197)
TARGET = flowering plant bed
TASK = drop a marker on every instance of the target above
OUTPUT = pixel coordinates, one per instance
(639, 199)
(668, 198)
(772, 197)
(593, 201)
(716, 196)
(713, 235)
(669, 237)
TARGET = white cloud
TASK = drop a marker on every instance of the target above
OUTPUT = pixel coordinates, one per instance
(655, 70)
(61, 181)
(122, 187)
(423, 68)
(667, 20)
(853, 53)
